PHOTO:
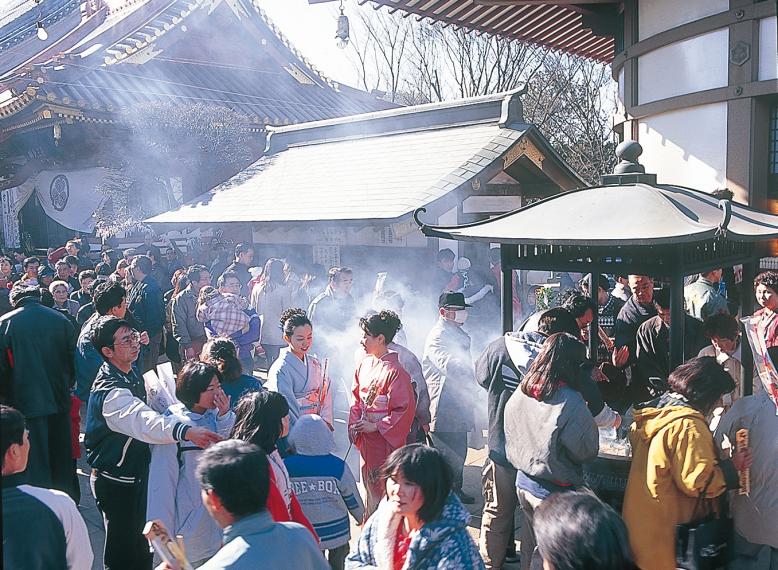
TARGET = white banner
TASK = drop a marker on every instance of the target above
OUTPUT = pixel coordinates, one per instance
(10, 218)
(69, 197)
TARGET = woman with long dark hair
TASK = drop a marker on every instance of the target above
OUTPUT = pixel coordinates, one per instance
(549, 431)
(420, 523)
(222, 352)
(262, 418)
(179, 282)
(270, 298)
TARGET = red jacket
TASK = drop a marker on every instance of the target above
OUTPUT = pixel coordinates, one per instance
(277, 508)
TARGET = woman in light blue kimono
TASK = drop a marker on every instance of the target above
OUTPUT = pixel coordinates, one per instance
(297, 375)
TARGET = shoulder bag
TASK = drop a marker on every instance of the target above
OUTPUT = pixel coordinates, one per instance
(703, 543)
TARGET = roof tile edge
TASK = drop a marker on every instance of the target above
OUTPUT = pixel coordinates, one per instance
(489, 108)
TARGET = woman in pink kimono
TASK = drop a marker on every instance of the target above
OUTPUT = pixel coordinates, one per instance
(384, 403)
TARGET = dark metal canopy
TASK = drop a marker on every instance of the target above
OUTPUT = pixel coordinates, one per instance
(629, 224)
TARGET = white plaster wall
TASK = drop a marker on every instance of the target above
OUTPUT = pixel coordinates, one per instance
(768, 46)
(692, 65)
(687, 147)
(449, 218)
(655, 16)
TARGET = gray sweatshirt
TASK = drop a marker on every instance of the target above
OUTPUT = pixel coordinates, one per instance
(550, 440)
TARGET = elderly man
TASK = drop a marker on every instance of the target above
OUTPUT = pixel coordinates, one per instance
(702, 297)
(637, 310)
(448, 371)
(187, 330)
(235, 481)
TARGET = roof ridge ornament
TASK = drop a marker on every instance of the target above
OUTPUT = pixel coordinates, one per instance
(512, 110)
(726, 215)
(416, 213)
(628, 170)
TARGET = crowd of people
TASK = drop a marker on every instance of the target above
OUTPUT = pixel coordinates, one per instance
(243, 464)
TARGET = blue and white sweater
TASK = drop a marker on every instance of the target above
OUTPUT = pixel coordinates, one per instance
(322, 482)
(443, 544)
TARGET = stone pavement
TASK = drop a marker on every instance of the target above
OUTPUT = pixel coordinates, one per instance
(471, 485)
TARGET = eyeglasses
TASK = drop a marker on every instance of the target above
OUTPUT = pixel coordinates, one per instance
(132, 339)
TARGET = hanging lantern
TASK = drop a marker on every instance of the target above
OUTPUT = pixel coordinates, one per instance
(342, 32)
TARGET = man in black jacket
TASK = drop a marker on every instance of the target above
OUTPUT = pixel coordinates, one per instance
(119, 428)
(36, 367)
(244, 255)
(147, 305)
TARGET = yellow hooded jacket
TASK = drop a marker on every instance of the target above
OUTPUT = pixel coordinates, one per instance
(673, 456)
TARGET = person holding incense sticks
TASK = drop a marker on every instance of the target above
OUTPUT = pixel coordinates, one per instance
(298, 375)
(384, 402)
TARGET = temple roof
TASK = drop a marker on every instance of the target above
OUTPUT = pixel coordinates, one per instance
(628, 209)
(381, 165)
(156, 50)
(575, 27)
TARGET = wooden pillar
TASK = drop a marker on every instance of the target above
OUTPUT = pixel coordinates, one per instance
(747, 308)
(594, 326)
(506, 293)
(677, 319)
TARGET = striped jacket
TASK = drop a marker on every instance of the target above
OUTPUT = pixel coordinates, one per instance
(323, 484)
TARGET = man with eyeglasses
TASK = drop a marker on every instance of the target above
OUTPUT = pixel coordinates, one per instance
(119, 428)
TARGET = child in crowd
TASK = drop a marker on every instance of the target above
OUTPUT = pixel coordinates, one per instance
(222, 313)
(324, 485)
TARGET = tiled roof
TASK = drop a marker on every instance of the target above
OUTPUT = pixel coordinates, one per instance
(368, 178)
(381, 165)
(135, 56)
(555, 24)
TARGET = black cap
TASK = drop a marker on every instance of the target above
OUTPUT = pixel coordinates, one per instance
(241, 248)
(451, 299)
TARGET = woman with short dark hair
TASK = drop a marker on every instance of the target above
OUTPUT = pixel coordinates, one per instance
(384, 405)
(297, 374)
(674, 461)
(174, 492)
(222, 353)
(766, 292)
(420, 523)
(577, 531)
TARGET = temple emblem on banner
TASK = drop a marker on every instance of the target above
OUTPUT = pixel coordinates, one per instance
(59, 192)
